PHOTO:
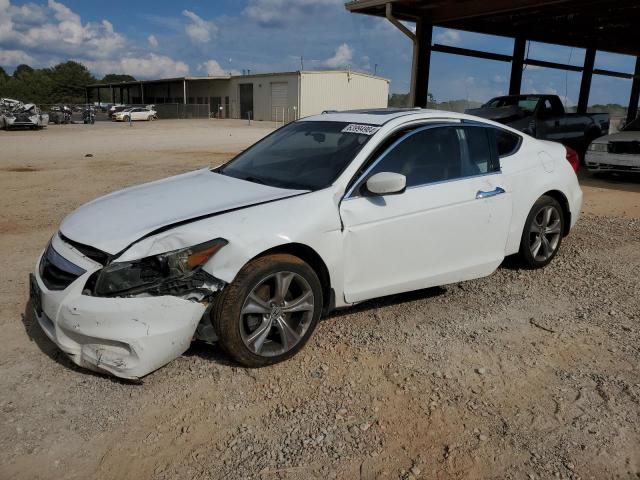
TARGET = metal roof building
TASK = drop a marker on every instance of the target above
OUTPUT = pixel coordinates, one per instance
(607, 25)
(281, 96)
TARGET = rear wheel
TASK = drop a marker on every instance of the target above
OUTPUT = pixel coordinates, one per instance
(542, 233)
(267, 314)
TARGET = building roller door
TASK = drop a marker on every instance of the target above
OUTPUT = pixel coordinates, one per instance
(279, 101)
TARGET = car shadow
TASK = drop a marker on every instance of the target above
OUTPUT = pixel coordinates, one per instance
(624, 182)
(387, 301)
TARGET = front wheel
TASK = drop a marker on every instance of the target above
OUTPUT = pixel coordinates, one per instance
(267, 314)
(542, 233)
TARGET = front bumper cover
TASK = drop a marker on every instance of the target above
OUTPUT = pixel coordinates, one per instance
(611, 162)
(126, 337)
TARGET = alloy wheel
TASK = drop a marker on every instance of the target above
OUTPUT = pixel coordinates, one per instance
(276, 314)
(544, 233)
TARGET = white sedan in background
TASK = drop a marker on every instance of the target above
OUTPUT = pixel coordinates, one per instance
(135, 114)
(325, 212)
(618, 152)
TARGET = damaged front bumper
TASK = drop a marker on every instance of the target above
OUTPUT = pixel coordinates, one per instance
(128, 337)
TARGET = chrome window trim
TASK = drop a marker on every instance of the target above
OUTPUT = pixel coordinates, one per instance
(349, 194)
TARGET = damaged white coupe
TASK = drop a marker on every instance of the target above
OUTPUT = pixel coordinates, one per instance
(323, 213)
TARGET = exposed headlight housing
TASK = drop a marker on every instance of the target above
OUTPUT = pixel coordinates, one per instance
(599, 147)
(138, 276)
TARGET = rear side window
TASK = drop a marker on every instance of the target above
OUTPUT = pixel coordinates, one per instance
(507, 143)
(478, 156)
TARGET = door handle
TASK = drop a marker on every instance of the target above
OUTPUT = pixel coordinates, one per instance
(491, 193)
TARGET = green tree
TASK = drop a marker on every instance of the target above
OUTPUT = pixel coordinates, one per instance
(69, 81)
(117, 78)
(22, 71)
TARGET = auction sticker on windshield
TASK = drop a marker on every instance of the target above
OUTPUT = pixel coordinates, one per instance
(358, 128)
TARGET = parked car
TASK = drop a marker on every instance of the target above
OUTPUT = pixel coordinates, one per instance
(323, 213)
(60, 114)
(618, 152)
(135, 114)
(113, 109)
(544, 117)
(26, 116)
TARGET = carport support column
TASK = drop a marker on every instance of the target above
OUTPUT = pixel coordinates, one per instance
(421, 63)
(585, 84)
(184, 91)
(517, 66)
(142, 93)
(632, 111)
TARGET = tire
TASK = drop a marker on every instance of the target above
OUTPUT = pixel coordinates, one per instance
(250, 330)
(538, 249)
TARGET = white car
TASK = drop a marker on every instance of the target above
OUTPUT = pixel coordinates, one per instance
(323, 213)
(618, 152)
(134, 114)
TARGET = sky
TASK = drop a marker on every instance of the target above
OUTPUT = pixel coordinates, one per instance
(162, 38)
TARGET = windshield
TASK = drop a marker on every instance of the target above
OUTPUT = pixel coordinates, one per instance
(302, 155)
(633, 126)
(528, 104)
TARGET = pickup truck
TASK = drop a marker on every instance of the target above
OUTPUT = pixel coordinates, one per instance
(544, 117)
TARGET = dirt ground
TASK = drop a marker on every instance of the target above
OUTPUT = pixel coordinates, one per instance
(524, 374)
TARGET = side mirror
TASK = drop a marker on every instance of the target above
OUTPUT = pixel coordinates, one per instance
(387, 183)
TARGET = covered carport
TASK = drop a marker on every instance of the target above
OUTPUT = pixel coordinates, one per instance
(611, 26)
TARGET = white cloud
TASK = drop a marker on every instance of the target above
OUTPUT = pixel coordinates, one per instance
(199, 30)
(448, 37)
(13, 58)
(153, 41)
(342, 57)
(213, 69)
(55, 29)
(151, 65)
(277, 13)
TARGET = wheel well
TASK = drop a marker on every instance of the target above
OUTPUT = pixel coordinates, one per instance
(311, 257)
(564, 203)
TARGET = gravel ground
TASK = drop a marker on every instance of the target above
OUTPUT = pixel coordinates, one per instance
(523, 374)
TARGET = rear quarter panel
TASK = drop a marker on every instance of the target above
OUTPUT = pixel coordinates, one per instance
(537, 168)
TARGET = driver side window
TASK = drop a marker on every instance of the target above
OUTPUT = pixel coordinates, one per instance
(428, 156)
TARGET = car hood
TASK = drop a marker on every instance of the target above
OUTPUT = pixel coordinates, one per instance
(113, 222)
(629, 136)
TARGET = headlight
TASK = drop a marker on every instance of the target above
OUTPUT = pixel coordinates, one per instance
(599, 147)
(138, 275)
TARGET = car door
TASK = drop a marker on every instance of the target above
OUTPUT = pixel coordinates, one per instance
(550, 122)
(450, 224)
(137, 114)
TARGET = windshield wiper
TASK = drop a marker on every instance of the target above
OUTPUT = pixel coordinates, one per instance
(254, 180)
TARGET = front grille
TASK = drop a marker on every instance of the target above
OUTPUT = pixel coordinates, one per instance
(57, 272)
(630, 148)
(23, 117)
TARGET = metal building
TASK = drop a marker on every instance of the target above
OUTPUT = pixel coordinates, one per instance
(278, 97)
(607, 25)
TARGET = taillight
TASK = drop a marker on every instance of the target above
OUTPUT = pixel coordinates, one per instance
(573, 158)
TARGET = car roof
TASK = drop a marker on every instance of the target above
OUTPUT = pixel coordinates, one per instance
(380, 116)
